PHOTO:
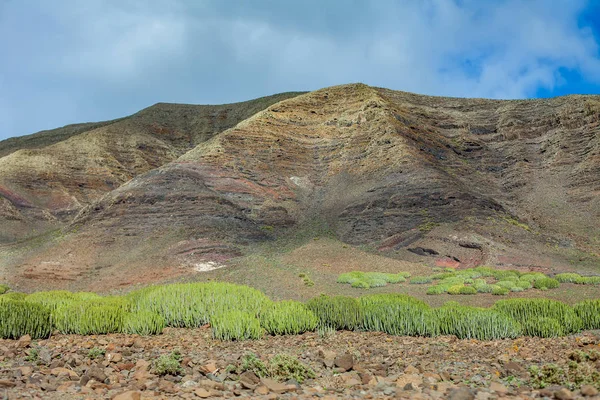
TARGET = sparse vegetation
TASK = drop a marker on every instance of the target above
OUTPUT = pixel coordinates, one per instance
(95, 353)
(281, 367)
(284, 367)
(168, 364)
(366, 280)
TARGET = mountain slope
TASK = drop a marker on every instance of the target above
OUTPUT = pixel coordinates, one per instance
(433, 180)
(47, 177)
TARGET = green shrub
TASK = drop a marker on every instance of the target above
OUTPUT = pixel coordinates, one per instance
(191, 305)
(546, 283)
(168, 364)
(542, 327)
(523, 284)
(499, 290)
(375, 282)
(143, 323)
(469, 273)
(485, 271)
(52, 299)
(284, 367)
(337, 312)
(443, 275)
(435, 289)
(250, 362)
(288, 318)
(4, 288)
(506, 284)
(589, 312)
(88, 318)
(419, 280)
(505, 275)
(455, 289)
(475, 323)
(351, 277)
(532, 276)
(236, 325)
(523, 310)
(13, 296)
(95, 353)
(397, 314)
(367, 280)
(568, 277)
(468, 290)
(360, 284)
(482, 286)
(19, 318)
(589, 280)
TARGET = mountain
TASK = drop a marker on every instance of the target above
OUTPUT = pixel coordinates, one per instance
(46, 178)
(176, 188)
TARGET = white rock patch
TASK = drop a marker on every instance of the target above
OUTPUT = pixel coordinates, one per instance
(207, 266)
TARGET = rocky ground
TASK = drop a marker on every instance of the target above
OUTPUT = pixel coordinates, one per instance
(346, 365)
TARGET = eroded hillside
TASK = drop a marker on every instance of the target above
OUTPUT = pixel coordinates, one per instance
(46, 178)
(458, 182)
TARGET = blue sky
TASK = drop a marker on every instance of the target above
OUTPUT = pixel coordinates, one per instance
(69, 61)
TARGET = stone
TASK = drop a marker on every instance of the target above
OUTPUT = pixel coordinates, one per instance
(207, 383)
(209, 368)
(115, 357)
(24, 342)
(498, 388)
(129, 395)
(512, 368)
(327, 357)
(411, 370)
(45, 356)
(461, 393)
(564, 394)
(4, 383)
(94, 373)
(344, 361)
(64, 371)
(249, 380)
(189, 384)
(261, 390)
(273, 385)
(202, 393)
(25, 371)
(414, 379)
(588, 391)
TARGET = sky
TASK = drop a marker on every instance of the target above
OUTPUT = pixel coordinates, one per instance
(70, 61)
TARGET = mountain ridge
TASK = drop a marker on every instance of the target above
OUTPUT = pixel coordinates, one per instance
(478, 181)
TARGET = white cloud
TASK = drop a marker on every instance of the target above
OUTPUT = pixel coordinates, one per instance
(111, 57)
(114, 40)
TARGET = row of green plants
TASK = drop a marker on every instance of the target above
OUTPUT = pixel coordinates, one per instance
(366, 280)
(237, 312)
(469, 281)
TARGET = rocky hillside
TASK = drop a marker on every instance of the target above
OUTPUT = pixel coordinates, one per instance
(457, 182)
(46, 178)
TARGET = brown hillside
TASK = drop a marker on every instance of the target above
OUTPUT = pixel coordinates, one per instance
(47, 177)
(429, 180)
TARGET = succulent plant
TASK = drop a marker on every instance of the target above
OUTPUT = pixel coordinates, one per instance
(18, 318)
(288, 318)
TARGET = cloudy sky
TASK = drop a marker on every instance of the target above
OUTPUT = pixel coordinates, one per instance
(67, 61)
